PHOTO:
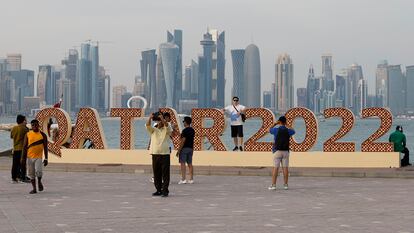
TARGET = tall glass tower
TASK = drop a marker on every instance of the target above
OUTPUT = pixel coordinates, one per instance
(252, 79)
(284, 83)
(169, 55)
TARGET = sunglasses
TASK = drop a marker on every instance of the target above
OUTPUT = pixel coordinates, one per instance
(236, 100)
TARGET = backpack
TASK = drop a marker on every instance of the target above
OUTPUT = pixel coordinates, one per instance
(282, 139)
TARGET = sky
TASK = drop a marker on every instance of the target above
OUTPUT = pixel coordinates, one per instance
(353, 31)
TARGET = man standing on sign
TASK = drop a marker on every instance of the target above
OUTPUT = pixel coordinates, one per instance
(34, 145)
(236, 112)
(280, 150)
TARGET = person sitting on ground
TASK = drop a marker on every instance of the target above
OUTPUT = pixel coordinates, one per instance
(280, 150)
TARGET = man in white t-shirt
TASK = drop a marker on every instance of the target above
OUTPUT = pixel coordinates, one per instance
(235, 110)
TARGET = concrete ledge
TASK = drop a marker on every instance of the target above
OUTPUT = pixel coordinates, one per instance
(236, 159)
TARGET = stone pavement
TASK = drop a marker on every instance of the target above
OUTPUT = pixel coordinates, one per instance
(121, 202)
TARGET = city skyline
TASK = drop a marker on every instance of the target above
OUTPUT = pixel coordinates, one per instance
(349, 39)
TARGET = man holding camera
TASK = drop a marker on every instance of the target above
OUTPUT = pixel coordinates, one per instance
(160, 151)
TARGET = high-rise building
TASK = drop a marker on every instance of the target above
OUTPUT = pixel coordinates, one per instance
(70, 64)
(8, 95)
(409, 73)
(381, 84)
(169, 55)
(327, 73)
(187, 83)
(64, 92)
(205, 72)
(177, 39)
(194, 80)
(124, 99)
(354, 75)
(252, 79)
(14, 62)
(340, 91)
(117, 93)
(301, 95)
(237, 57)
(162, 89)
(362, 95)
(313, 85)
(395, 90)
(43, 78)
(87, 77)
(267, 99)
(284, 83)
(52, 84)
(218, 68)
(148, 65)
(23, 86)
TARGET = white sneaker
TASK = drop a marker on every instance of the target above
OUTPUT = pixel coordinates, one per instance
(285, 187)
(152, 180)
(272, 187)
(182, 182)
(190, 182)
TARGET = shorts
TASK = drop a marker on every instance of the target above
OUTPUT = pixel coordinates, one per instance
(237, 131)
(35, 168)
(186, 156)
(281, 157)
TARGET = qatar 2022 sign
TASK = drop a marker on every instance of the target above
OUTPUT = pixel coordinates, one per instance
(88, 126)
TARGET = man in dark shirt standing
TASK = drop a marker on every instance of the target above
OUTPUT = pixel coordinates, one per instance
(280, 150)
(17, 134)
(185, 151)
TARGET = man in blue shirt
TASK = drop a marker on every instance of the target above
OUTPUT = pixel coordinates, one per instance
(280, 150)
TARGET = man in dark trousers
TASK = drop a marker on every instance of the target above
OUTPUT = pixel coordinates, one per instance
(399, 141)
(185, 151)
(160, 151)
(280, 150)
(17, 134)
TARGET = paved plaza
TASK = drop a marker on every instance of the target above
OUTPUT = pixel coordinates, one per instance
(119, 202)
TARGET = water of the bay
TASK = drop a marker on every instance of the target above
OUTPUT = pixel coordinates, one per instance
(362, 129)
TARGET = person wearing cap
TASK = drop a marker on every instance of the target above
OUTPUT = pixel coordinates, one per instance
(185, 151)
(280, 150)
(34, 145)
(399, 141)
(235, 110)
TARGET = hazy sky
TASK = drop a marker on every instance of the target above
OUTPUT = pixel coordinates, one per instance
(361, 31)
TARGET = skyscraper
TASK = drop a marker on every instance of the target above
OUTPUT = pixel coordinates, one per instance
(169, 54)
(340, 91)
(14, 62)
(187, 82)
(409, 73)
(237, 56)
(71, 68)
(284, 83)
(194, 80)
(177, 39)
(381, 84)
(23, 85)
(43, 77)
(312, 86)
(267, 99)
(301, 95)
(205, 72)
(395, 90)
(327, 76)
(354, 75)
(362, 95)
(218, 67)
(87, 77)
(148, 65)
(117, 93)
(252, 77)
